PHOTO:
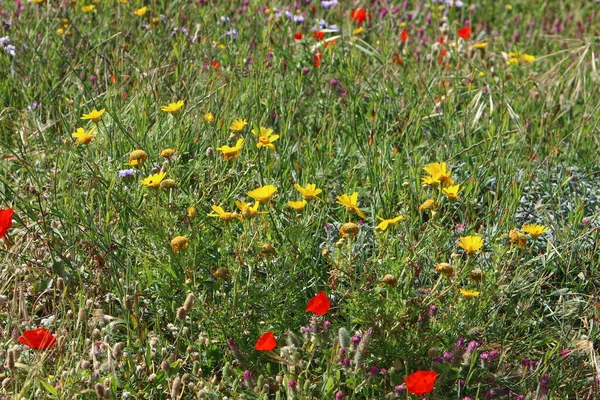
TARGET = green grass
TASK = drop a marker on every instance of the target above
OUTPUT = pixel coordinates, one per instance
(89, 256)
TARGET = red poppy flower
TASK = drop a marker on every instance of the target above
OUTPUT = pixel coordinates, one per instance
(266, 342)
(39, 338)
(421, 382)
(319, 304)
(317, 59)
(5, 220)
(464, 32)
(216, 64)
(441, 40)
(298, 36)
(404, 35)
(318, 35)
(397, 58)
(330, 43)
(360, 15)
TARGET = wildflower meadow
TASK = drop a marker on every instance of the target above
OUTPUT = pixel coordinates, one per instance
(309, 199)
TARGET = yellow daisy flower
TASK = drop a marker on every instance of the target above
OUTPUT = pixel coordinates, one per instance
(140, 12)
(297, 205)
(351, 204)
(469, 293)
(309, 192)
(238, 124)
(231, 152)
(386, 223)
(471, 244)
(173, 108)
(81, 137)
(265, 138)
(534, 230)
(94, 115)
(224, 215)
(154, 181)
(87, 9)
(263, 194)
(451, 192)
(248, 211)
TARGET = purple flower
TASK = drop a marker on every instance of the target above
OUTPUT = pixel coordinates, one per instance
(232, 33)
(298, 18)
(339, 396)
(292, 384)
(128, 173)
(329, 4)
(10, 50)
(400, 389)
(4, 41)
(355, 340)
(473, 344)
(448, 356)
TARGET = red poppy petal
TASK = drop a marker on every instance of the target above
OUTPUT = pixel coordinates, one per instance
(421, 382)
(464, 32)
(319, 304)
(5, 221)
(266, 342)
(39, 338)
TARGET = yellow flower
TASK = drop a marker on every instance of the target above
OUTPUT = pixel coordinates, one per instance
(386, 223)
(508, 7)
(358, 31)
(482, 45)
(248, 211)
(438, 173)
(534, 230)
(518, 238)
(223, 215)
(349, 229)
(513, 61)
(179, 243)
(173, 108)
(263, 194)
(297, 205)
(451, 192)
(309, 192)
(351, 204)
(140, 12)
(238, 124)
(209, 117)
(231, 152)
(94, 115)
(168, 153)
(87, 9)
(528, 58)
(81, 137)
(265, 138)
(428, 205)
(471, 244)
(154, 181)
(469, 293)
(191, 212)
(137, 158)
